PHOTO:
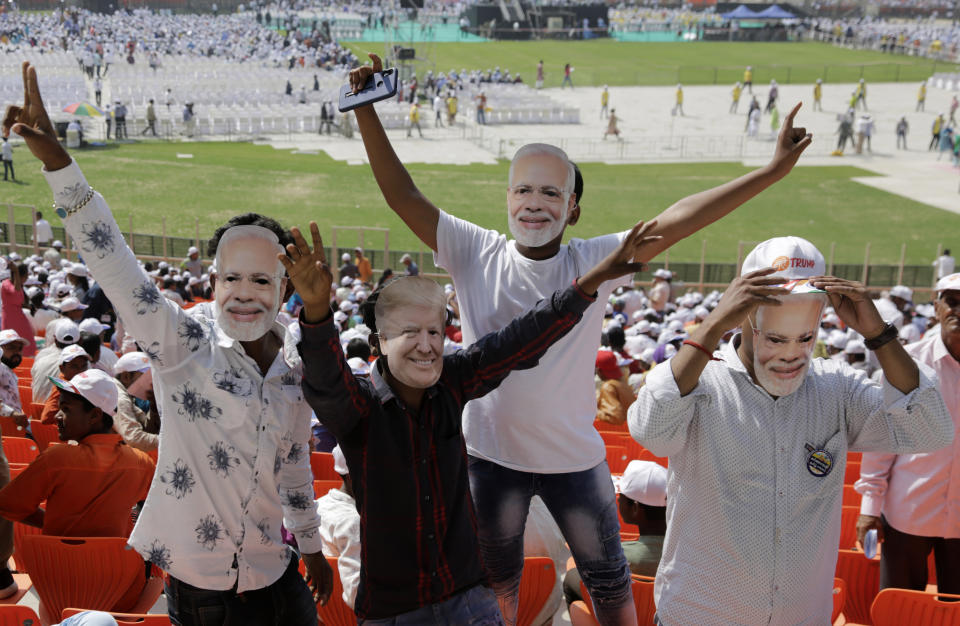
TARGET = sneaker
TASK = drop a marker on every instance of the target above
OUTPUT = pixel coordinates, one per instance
(8, 586)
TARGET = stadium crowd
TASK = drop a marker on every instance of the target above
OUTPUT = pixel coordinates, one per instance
(464, 422)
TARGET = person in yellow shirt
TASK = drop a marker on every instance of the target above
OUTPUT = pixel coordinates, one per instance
(748, 79)
(922, 97)
(604, 103)
(862, 94)
(817, 95)
(737, 90)
(414, 119)
(614, 395)
(451, 109)
(364, 267)
(678, 109)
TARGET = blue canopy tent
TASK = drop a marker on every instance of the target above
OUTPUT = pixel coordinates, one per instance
(740, 13)
(774, 12)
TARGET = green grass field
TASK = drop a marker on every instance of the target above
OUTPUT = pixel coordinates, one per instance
(149, 182)
(607, 61)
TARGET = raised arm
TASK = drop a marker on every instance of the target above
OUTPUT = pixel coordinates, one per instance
(695, 212)
(398, 189)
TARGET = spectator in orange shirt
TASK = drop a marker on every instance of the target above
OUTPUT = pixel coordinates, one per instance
(614, 396)
(73, 360)
(364, 268)
(90, 488)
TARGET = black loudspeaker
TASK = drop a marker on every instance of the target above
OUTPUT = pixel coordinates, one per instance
(411, 4)
(406, 54)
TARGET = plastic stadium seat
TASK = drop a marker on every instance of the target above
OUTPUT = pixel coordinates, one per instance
(839, 597)
(642, 588)
(322, 465)
(10, 428)
(851, 497)
(98, 573)
(614, 438)
(36, 410)
(44, 434)
(18, 615)
(580, 615)
(617, 459)
(21, 530)
(862, 576)
(638, 452)
(893, 607)
(26, 395)
(852, 473)
(128, 619)
(608, 427)
(20, 449)
(848, 527)
(321, 487)
(536, 585)
(336, 612)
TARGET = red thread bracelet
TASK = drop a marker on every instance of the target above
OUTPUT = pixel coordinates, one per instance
(696, 345)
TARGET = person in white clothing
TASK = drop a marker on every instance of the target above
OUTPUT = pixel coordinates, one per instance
(234, 456)
(757, 437)
(944, 265)
(518, 448)
(911, 499)
(44, 231)
(340, 528)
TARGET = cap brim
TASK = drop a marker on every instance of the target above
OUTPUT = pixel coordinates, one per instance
(801, 286)
(63, 385)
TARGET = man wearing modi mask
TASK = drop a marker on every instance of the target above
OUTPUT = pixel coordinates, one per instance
(757, 434)
(234, 456)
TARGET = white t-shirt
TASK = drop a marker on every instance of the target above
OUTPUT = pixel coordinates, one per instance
(538, 420)
(44, 232)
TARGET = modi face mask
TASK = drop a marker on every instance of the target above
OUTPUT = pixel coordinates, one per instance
(783, 341)
(250, 282)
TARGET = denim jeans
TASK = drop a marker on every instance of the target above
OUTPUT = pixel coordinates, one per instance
(584, 506)
(286, 602)
(476, 606)
(90, 618)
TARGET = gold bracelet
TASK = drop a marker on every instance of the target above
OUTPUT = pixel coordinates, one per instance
(64, 212)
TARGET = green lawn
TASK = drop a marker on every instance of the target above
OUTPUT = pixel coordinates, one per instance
(149, 182)
(607, 61)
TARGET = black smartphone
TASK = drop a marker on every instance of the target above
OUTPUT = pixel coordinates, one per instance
(380, 86)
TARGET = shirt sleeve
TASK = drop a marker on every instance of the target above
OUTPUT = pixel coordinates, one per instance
(481, 368)
(166, 333)
(295, 483)
(609, 407)
(23, 495)
(129, 427)
(347, 535)
(882, 419)
(660, 418)
(332, 391)
(873, 482)
(458, 243)
(9, 393)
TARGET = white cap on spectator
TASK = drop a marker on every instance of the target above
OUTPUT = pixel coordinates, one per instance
(132, 362)
(9, 336)
(358, 366)
(95, 385)
(91, 325)
(346, 306)
(67, 331)
(192, 250)
(345, 257)
(71, 304)
(63, 290)
(346, 281)
(339, 461)
(78, 269)
(950, 282)
(855, 346)
(56, 244)
(838, 340)
(664, 274)
(793, 258)
(910, 333)
(902, 291)
(831, 318)
(71, 352)
(645, 482)
(339, 317)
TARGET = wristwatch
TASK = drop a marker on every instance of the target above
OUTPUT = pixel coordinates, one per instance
(889, 334)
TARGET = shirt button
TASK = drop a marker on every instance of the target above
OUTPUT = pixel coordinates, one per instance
(430, 536)
(776, 587)
(426, 498)
(781, 494)
(423, 461)
(433, 573)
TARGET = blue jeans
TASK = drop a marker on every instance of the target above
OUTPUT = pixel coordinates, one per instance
(90, 618)
(287, 602)
(476, 606)
(584, 506)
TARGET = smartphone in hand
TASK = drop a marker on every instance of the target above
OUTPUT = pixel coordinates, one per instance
(380, 86)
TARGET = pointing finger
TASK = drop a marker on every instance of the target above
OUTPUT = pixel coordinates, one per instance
(315, 234)
(26, 92)
(788, 123)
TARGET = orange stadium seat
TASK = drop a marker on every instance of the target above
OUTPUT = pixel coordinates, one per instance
(321, 487)
(839, 597)
(851, 474)
(21, 530)
(99, 573)
(36, 410)
(617, 459)
(26, 395)
(851, 497)
(336, 612)
(862, 577)
(580, 614)
(848, 527)
(322, 465)
(536, 585)
(10, 428)
(128, 619)
(638, 452)
(894, 607)
(614, 438)
(44, 434)
(18, 615)
(642, 588)
(608, 427)
(20, 449)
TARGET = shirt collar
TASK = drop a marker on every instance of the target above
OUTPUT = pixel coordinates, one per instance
(290, 354)
(939, 348)
(104, 439)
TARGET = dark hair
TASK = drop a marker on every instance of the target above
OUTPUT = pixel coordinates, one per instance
(168, 283)
(39, 215)
(250, 219)
(90, 344)
(577, 183)
(947, 251)
(359, 348)
(387, 273)
(616, 337)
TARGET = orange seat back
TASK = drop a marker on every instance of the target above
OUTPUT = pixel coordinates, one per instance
(44, 434)
(336, 612)
(851, 497)
(862, 576)
(18, 615)
(321, 487)
(617, 459)
(611, 438)
(536, 584)
(36, 410)
(602, 426)
(128, 619)
(642, 588)
(20, 449)
(839, 597)
(893, 607)
(26, 395)
(852, 473)
(89, 572)
(322, 465)
(21, 530)
(10, 428)
(848, 527)
(637, 452)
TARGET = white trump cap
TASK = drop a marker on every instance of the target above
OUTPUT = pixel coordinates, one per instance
(794, 259)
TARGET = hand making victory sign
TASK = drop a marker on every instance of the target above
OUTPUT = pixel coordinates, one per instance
(31, 122)
(790, 144)
(309, 273)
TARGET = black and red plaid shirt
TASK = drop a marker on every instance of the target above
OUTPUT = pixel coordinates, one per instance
(409, 470)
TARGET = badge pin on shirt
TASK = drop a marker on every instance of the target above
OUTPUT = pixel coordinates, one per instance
(819, 461)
